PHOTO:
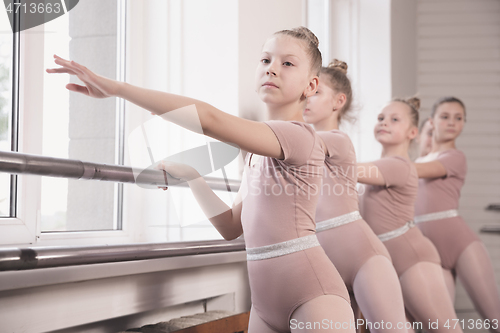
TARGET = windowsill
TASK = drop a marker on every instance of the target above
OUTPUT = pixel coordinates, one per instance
(11, 280)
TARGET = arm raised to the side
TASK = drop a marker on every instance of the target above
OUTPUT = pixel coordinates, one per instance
(227, 220)
(252, 136)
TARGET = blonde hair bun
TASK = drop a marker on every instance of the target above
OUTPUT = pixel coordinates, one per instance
(308, 34)
(339, 65)
(414, 102)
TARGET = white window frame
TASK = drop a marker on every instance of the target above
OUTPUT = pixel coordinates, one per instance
(25, 228)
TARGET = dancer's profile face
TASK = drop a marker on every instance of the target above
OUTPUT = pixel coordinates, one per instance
(320, 106)
(425, 139)
(394, 124)
(284, 71)
(448, 121)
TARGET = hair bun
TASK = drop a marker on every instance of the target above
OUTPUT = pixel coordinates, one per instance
(308, 34)
(338, 64)
(414, 102)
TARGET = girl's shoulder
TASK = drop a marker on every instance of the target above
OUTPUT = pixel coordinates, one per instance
(298, 140)
(338, 145)
(452, 152)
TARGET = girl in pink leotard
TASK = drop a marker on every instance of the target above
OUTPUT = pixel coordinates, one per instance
(442, 175)
(387, 204)
(293, 282)
(360, 257)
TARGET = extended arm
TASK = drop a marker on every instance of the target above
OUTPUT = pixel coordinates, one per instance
(225, 219)
(434, 169)
(369, 173)
(252, 136)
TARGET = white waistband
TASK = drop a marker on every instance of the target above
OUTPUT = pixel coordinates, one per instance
(338, 221)
(436, 216)
(280, 249)
(395, 233)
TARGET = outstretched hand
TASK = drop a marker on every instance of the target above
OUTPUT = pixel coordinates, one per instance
(95, 85)
(179, 171)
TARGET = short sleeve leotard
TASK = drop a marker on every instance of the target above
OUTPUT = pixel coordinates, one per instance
(349, 245)
(279, 204)
(387, 208)
(450, 235)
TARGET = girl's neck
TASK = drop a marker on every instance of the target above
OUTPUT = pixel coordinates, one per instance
(439, 146)
(287, 112)
(396, 150)
(327, 124)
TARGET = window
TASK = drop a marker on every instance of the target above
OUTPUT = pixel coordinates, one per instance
(359, 33)
(78, 127)
(54, 122)
(6, 56)
(160, 54)
(174, 44)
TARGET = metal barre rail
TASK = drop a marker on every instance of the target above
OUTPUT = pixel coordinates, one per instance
(44, 257)
(18, 163)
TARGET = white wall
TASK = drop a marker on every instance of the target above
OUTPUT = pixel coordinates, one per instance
(431, 48)
(360, 34)
(459, 54)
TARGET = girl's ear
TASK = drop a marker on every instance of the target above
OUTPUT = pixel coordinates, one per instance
(413, 133)
(312, 87)
(341, 99)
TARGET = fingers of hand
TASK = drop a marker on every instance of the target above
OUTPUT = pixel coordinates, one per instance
(69, 65)
(60, 70)
(80, 67)
(77, 88)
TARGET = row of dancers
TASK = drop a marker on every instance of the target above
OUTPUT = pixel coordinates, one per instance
(397, 248)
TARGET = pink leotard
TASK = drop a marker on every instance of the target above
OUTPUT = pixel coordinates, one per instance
(279, 206)
(350, 245)
(387, 208)
(450, 235)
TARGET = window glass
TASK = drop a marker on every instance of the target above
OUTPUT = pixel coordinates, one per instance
(76, 126)
(6, 47)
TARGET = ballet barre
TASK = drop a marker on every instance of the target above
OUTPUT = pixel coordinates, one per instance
(495, 228)
(44, 257)
(57, 256)
(18, 163)
(495, 207)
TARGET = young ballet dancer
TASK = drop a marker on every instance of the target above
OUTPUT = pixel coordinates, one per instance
(442, 175)
(387, 204)
(293, 283)
(360, 257)
(424, 138)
